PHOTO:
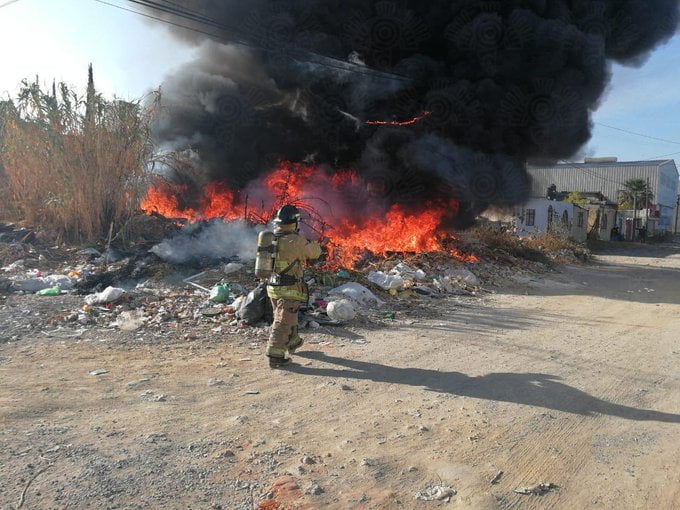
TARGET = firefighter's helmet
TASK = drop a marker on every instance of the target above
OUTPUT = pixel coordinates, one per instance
(287, 215)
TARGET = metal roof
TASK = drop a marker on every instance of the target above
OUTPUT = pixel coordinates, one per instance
(647, 162)
(607, 178)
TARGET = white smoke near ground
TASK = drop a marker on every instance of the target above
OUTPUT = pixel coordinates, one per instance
(213, 240)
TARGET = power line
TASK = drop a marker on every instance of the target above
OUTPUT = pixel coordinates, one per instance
(342, 65)
(637, 134)
(8, 3)
(663, 155)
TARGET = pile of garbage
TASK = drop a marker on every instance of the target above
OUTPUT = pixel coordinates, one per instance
(138, 291)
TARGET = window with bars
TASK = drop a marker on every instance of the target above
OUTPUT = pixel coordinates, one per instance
(530, 217)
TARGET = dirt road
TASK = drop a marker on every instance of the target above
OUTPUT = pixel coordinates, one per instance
(571, 379)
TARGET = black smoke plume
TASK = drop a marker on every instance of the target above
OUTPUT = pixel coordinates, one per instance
(503, 82)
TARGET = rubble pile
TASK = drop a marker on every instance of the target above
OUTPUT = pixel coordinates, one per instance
(139, 294)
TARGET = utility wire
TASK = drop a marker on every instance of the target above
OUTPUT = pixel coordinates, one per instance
(8, 3)
(201, 18)
(637, 134)
(342, 65)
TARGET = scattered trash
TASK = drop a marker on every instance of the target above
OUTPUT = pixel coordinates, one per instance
(251, 392)
(99, 371)
(90, 253)
(130, 320)
(43, 282)
(358, 293)
(386, 281)
(51, 291)
(256, 307)
(110, 256)
(538, 489)
(320, 303)
(369, 462)
(497, 478)
(436, 493)
(408, 273)
(314, 490)
(233, 267)
(219, 294)
(17, 265)
(215, 382)
(341, 310)
(343, 274)
(139, 382)
(450, 286)
(212, 312)
(108, 295)
(464, 275)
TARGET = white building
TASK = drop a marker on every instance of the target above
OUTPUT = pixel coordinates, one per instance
(540, 215)
(608, 175)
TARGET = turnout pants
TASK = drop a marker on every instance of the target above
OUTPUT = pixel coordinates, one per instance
(284, 331)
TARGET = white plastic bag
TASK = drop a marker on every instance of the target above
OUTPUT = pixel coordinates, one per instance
(108, 295)
(408, 273)
(341, 310)
(386, 281)
(44, 282)
(358, 293)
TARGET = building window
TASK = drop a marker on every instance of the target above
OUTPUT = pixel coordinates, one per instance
(604, 221)
(581, 219)
(530, 217)
(565, 219)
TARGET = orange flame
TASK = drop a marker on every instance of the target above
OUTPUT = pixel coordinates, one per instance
(398, 123)
(352, 229)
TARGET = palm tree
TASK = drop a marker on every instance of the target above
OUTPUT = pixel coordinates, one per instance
(635, 194)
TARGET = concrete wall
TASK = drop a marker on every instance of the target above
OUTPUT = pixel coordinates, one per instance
(565, 218)
(601, 220)
(666, 195)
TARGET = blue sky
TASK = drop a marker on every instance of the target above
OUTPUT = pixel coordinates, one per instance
(58, 38)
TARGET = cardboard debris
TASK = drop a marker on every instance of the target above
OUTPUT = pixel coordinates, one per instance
(436, 493)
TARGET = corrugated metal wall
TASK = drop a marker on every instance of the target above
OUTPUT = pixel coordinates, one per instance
(607, 178)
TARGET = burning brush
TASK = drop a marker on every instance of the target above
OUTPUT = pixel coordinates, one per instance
(339, 209)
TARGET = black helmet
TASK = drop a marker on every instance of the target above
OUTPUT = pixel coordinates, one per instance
(287, 215)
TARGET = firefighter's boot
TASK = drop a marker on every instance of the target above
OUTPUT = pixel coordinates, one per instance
(275, 362)
(295, 343)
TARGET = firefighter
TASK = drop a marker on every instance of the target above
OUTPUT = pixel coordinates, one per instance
(287, 289)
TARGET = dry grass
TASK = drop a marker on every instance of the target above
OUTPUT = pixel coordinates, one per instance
(546, 249)
(73, 168)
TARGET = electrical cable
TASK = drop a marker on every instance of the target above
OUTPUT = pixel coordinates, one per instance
(637, 134)
(8, 3)
(342, 65)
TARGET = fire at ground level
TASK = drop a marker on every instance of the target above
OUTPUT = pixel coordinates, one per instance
(351, 215)
(566, 378)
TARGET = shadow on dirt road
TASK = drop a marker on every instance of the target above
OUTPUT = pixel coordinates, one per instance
(539, 390)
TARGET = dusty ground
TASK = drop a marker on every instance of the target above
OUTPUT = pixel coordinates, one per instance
(570, 379)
